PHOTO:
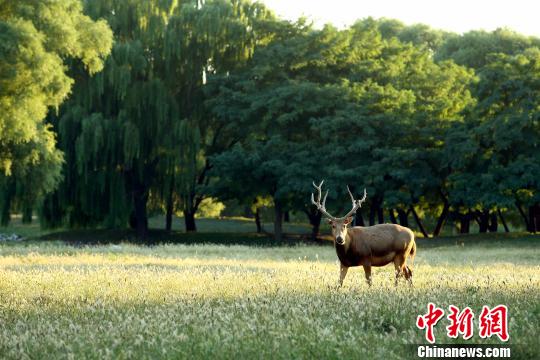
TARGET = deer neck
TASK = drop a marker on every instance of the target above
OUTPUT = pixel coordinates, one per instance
(349, 236)
(343, 252)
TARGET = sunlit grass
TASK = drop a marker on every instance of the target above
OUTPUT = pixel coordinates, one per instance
(124, 301)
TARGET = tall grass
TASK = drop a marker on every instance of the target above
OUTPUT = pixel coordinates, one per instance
(201, 301)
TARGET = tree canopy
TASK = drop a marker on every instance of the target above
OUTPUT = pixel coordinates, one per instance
(221, 99)
(351, 105)
(37, 40)
(136, 130)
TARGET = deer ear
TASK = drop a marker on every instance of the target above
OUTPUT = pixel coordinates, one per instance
(348, 220)
(330, 221)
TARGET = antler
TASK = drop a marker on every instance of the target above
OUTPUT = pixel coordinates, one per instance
(318, 204)
(356, 204)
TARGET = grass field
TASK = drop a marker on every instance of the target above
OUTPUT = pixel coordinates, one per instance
(216, 301)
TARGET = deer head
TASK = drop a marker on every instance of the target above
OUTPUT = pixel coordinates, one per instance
(339, 225)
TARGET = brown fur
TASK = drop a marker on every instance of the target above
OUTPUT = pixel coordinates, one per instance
(376, 245)
(369, 246)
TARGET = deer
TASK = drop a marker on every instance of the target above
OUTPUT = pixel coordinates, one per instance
(368, 246)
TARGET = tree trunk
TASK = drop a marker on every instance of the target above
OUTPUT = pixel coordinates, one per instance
(464, 223)
(522, 213)
(168, 220)
(140, 198)
(169, 213)
(189, 220)
(5, 215)
(193, 200)
(27, 215)
(278, 220)
(483, 221)
(380, 214)
(359, 219)
(392, 216)
(375, 210)
(493, 222)
(534, 218)
(372, 211)
(314, 217)
(442, 219)
(286, 217)
(419, 222)
(403, 217)
(537, 217)
(503, 221)
(258, 220)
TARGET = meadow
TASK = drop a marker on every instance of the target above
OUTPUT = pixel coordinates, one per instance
(237, 301)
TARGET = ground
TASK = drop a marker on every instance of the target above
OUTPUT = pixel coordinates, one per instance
(237, 301)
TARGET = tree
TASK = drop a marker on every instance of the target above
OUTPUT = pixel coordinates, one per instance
(118, 125)
(37, 38)
(139, 129)
(420, 35)
(204, 41)
(495, 154)
(275, 97)
(479, 189)
(364, 109)
(473, 48)
(390, 136)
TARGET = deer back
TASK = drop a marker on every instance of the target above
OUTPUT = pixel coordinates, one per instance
(382, 239)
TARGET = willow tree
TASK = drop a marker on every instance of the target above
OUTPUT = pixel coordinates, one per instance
(204, 41)
(138, 129)
(117, 124)
(37, 38)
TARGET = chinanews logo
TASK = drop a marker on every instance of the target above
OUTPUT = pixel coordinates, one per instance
(461, 324)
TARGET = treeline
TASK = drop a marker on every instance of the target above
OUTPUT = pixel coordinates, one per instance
(222, 99)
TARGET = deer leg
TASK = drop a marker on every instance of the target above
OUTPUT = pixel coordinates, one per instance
(409, 255)
(342, 273)
(398, 273)
(408, 275)
(367, 272)
(399, 264)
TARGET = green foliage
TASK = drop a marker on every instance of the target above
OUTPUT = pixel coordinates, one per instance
(220, 99)
(495, 155)
(138, 129)
(210, 208)
(351, 105)
(418, 34)
(37, 38)
(201, 42)
(119, 125)
(473, 48)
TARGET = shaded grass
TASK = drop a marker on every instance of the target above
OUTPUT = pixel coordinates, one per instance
(105, 236)
(236, 231)
(232, 225)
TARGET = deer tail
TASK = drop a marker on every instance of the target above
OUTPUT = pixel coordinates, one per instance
(412, 254)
